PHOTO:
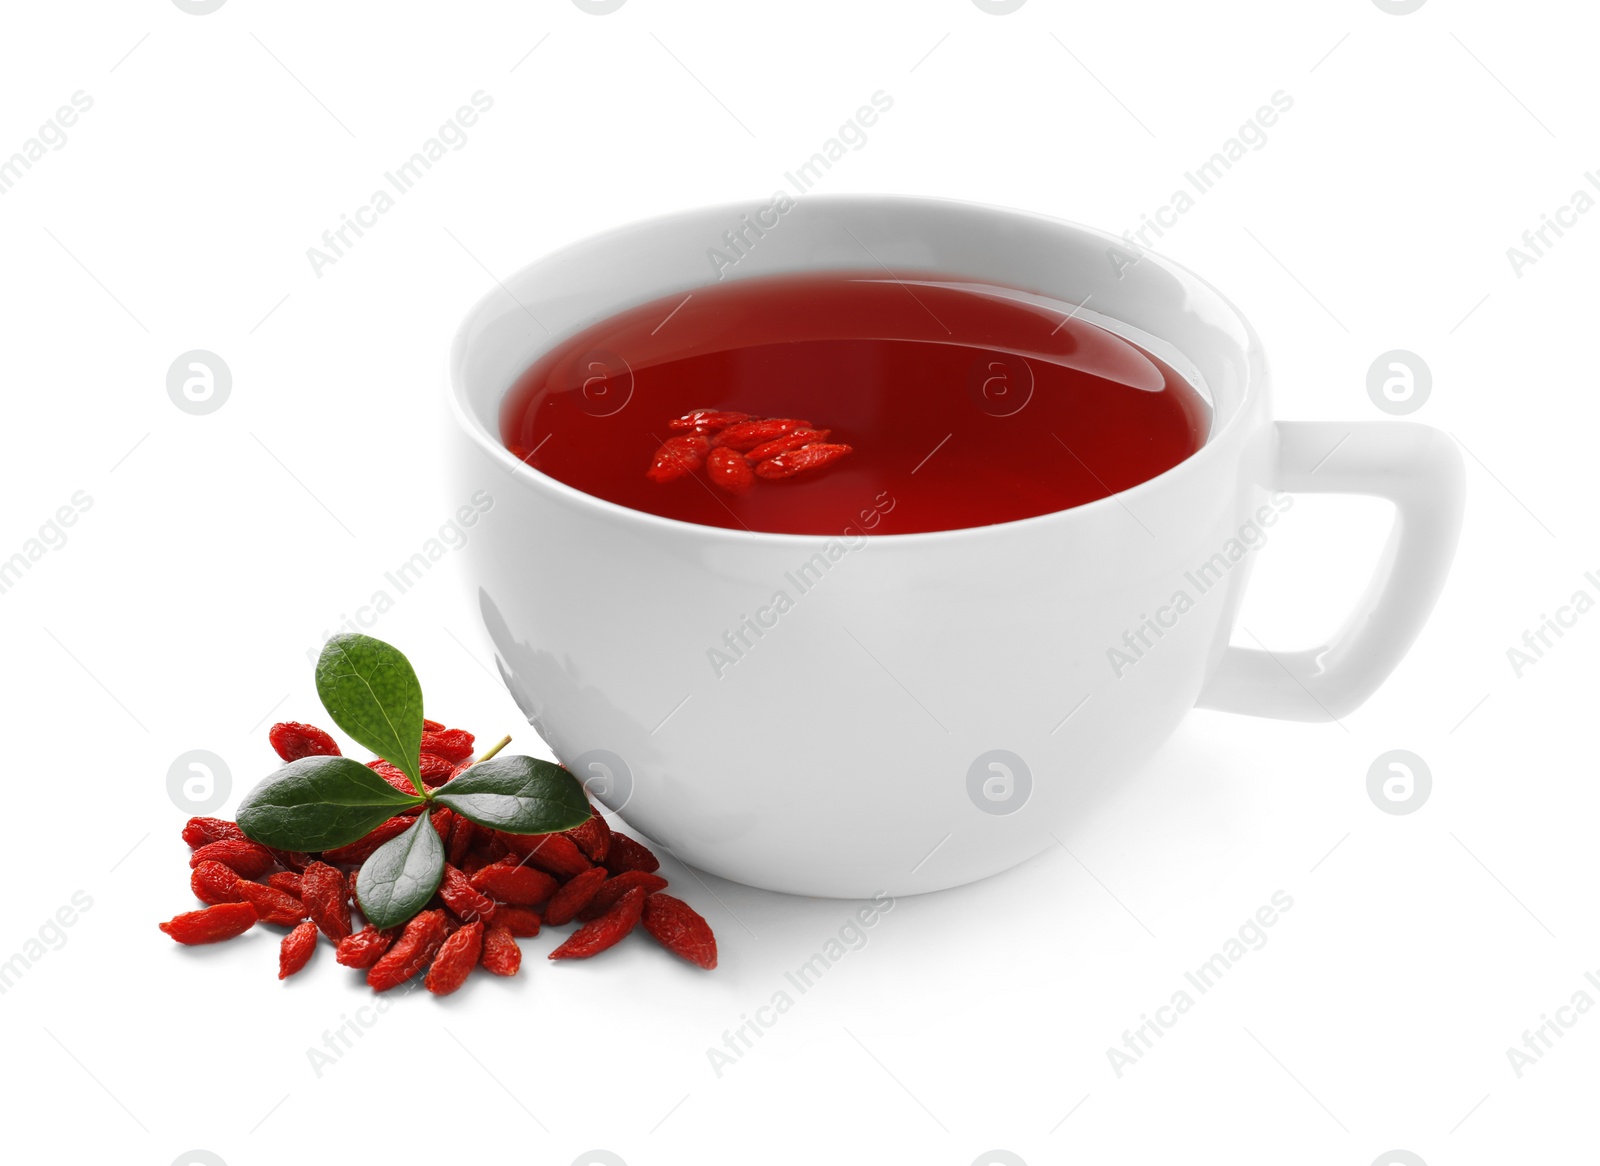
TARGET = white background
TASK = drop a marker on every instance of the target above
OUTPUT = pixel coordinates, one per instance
(219, 549)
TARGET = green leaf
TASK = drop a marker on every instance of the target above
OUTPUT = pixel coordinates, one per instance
(318, 803)
(401, 876)
(370, 690)
(520, 795)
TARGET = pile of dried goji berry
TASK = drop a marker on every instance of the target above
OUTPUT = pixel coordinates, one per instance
(497, 887)
(736, 449)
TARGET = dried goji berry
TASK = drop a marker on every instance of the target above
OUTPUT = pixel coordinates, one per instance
(443, 820)
(451, 744)
(431, 726)
(357, 852)
(327, 899)
(729, 469)
(295, 950)
(796, 461)
(614, 888)
(501, 955)
(706, 420)
(199, 831)
(293, 741)
(593, 938)
(787, 442)
(511, 882)
(437, 770)
(555, 853)
(457, 956)
(462, 897)
(679, 456)
(463, 832)
(411, 952)
(679, 928)
(749, 434)
(292, 859)
(211, 924)
(271, 904)
(393, 775)
(593, 837)
(286, 881)
(522, 922)
(365, 947)
(565, 904)
(213, 882)
(627, 854)
(247, 859)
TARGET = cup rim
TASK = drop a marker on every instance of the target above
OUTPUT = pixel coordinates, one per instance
(492, 445)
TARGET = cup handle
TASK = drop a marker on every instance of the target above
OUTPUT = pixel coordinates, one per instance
(1417, 468)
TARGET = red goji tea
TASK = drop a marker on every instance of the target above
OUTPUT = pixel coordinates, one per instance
(792, 404)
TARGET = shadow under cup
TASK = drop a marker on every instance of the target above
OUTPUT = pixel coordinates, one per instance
(851, 714)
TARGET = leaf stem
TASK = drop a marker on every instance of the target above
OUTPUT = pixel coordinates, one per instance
(498, 745)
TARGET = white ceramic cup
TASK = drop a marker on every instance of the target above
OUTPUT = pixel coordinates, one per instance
(930, 708)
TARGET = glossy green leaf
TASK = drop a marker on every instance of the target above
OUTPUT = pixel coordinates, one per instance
(520, 795)
(318, 803)
(402, 875)
(372, 693)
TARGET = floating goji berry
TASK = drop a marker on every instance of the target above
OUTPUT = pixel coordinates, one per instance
(213, 882)
(437, 770)
(594, 938)
(729, 469)
(511, 882)
(615, 887)
(247, 859)
(501, 955)
(462, 897)
(457, 956)
(432, 726)
(451, 744)
(286, 881)
(293, 741)
(627, 854)
(679, 928)
(411, 952)
(679, 456)
(797, 461)
(295, 950)
(357, 852)
(522, 922)
(788, 441)
(565, 904)
(593, 837)
(749, 434)
(706, 420)
(271, 904)
(365, 947)
(199, 831)
(211, 924)
(327, 899)
(555, 853)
